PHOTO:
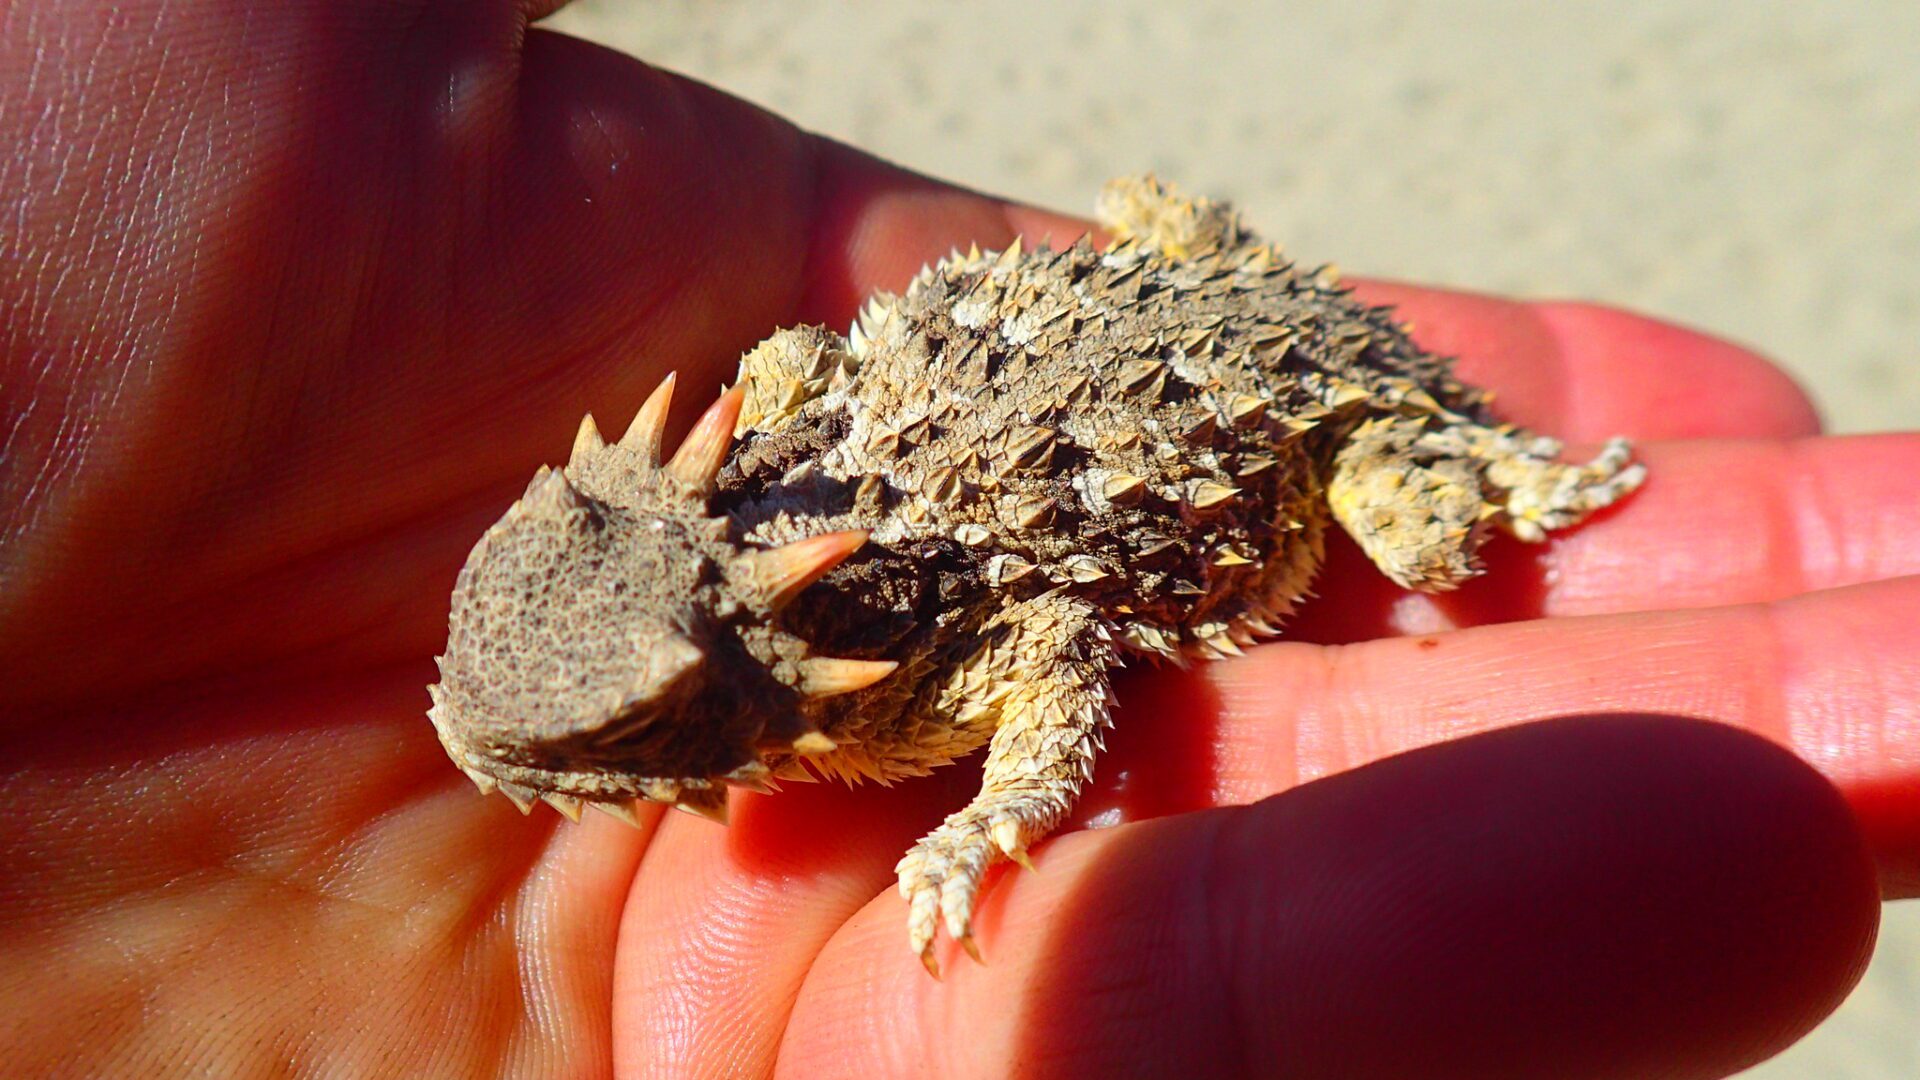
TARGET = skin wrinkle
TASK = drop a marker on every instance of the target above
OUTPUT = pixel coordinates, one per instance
(598, 942)
(538, 970)
(1788, 517)
(764, 883)
(1767, 712)
(1827, 703)
(1227, 926)
(1818, 526)
(1568, 402)
(1642, 680)
(1856, 551)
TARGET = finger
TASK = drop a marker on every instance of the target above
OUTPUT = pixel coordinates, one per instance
(226, 882)
(1831, 675)
(1741, 521)
(721, 926)
(1618, 896)
(1718, 522)
(1584, 372)
(366, 365)
(877, 225)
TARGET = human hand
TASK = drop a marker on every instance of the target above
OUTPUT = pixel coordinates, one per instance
(298, 297)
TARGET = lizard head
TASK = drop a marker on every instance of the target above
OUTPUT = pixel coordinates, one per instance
(610, 638)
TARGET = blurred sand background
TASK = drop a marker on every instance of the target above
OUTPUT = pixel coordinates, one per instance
(1752, 170)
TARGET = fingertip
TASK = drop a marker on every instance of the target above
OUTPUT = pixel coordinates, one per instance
(1496, 343)
(1663, 380)
(877, 224)
(1586, 372)
(1589, 897)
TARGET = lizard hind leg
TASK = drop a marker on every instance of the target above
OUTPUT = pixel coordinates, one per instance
(786, 371)
(1055, 658)
(1420, 515)
(1541, 495)
(1142, 210)
(1419, 495)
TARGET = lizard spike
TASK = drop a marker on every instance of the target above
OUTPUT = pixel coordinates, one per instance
(825, 676)
(586, 441)
(660, 790)
(1345, 394)
(650, 423)
(795, 771)
(618, 811)
(1124, 488)
(758, 784)
(1207, 494)
(709, 803)
(700, 456)
(814, 742)
(487, 784)
(522, 798)
(755, 770)
(666, 664)
(549, 491)
(1223, 644)
(568, 806)
(783, 572)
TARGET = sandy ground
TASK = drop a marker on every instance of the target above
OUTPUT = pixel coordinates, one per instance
(1752, 170)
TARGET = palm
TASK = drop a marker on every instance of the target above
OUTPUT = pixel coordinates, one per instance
(270, 434)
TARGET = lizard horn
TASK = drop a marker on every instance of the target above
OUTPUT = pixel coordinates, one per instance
(781, 573)
(698, 460)
(709, 803)
(650, 423)
(549, 490)
(825, 676)
(586, 441)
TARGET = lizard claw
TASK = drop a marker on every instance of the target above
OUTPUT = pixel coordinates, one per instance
(940, 878)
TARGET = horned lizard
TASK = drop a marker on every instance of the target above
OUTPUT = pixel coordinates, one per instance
(947, 528)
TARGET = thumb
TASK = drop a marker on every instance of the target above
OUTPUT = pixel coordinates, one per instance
(314, 285)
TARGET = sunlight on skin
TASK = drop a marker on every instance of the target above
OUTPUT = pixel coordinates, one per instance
(272, 392)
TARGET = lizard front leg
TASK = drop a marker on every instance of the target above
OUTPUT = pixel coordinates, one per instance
(1055, 656)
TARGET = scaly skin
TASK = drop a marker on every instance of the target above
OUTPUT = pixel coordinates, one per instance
(945, 529)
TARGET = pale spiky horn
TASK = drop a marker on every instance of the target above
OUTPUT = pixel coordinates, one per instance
(650, 423)
(781, 573)
(699, 458)
(813, 742)
(825, 676)
(659, 789)
(549, 491)
(586, 441)
(619, 811)
(523, 798)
